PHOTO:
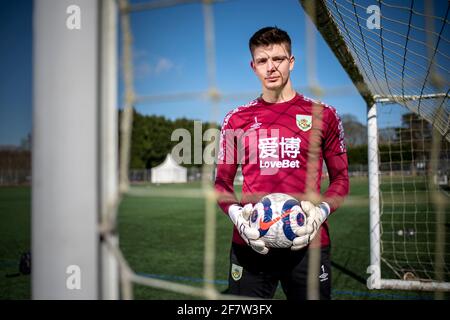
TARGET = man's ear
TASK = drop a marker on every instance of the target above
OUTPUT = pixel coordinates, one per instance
(291, 63)
(252, 65)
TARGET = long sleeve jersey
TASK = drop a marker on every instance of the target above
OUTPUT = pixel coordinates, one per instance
(273, 142)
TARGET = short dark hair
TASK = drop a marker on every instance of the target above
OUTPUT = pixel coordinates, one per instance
(269, 35)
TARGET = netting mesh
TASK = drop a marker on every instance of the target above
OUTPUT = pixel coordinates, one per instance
(402, 56)
(128, 276)
(397, 53)
(408, 205)
(403, 61)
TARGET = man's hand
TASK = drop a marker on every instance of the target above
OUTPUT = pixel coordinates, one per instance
(240, 217)
(315, 216)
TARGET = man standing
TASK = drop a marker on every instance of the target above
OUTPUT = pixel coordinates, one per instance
(280, 140)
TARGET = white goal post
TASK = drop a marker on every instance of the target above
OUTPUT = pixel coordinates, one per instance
(400, 57)
(74, 126)
(75, 245)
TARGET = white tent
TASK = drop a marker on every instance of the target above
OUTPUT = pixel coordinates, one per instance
(169, 172)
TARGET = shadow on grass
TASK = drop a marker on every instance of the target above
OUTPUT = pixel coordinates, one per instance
(348, 272)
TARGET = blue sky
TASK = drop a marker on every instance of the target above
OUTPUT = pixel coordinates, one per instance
(169, 57)
(15, 75)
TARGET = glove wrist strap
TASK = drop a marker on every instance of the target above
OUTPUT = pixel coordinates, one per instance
(325, 208)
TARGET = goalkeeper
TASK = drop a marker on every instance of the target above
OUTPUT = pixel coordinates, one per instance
(271, 138)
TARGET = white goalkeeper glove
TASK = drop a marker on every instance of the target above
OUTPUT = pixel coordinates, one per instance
(315, 216)
(240, 217)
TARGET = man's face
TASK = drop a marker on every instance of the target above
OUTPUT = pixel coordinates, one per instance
(272, 65)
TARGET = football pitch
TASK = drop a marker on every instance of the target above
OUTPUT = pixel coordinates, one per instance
(162, 236)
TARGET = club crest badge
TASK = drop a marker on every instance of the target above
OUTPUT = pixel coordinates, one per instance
(303, 122)
(236, 272)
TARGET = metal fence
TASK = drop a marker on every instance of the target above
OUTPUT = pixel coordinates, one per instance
(14, 177)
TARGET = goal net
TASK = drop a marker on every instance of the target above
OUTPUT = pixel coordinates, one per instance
(411, 243)
(396, 53)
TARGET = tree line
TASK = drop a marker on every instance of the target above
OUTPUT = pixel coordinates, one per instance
(410, 141)
(151, 139)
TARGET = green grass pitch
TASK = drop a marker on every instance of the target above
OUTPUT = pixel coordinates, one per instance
(162, 237)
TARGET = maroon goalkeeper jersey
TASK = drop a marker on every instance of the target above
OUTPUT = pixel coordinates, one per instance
(271, 142)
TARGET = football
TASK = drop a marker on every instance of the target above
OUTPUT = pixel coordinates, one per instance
(277, 216)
